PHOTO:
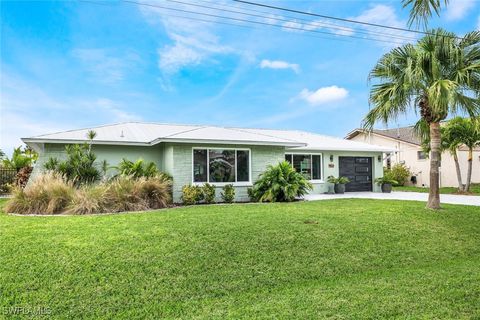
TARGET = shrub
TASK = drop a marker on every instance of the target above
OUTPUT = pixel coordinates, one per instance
(208, 193)
(52, 193)
(79, 166)
(138, 168)
(89, 199)
(20, 158)
(339, 180)
(399, 173)
(121, 195)
(155, 191)
(191, 194)
(228, 193)
(280, 183)
(22, 176)
(49, 193)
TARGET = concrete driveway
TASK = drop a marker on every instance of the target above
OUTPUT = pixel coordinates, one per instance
(409, 196)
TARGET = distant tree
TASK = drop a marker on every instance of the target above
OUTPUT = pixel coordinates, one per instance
(20, 158)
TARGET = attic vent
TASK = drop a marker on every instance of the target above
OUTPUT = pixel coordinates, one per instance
(121, 135)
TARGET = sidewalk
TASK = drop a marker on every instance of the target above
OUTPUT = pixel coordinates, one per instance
(409, 196)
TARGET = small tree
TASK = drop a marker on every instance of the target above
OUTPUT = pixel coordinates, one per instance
(20, 158)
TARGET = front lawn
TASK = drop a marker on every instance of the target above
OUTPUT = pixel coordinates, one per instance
(339, 259)
(474, 189)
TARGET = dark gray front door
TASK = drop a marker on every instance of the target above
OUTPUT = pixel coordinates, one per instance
(359, 171)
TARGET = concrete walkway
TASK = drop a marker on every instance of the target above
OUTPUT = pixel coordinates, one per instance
(410, 196)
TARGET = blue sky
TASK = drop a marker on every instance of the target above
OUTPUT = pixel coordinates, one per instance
(67, 65)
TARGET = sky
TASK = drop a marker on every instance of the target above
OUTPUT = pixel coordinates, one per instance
(76, 64)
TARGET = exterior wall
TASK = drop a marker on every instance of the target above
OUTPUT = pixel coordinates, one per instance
(421, 168)
(322, 187)
(261, 157)
(176, 159)
(113, 155)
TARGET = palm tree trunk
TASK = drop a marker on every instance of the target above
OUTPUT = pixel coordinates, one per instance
(469, 170)
(434, 193)
(457, 168)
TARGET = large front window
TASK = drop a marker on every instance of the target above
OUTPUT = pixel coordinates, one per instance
(309, 165)
(221, 165)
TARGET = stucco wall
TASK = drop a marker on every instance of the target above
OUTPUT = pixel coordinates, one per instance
(113, 155)
(421, 168)
(176, 159)
(261, 157)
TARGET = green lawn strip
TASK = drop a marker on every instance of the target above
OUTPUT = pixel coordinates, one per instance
(207, 260)
(474, 189)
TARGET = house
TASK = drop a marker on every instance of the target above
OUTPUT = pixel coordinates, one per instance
(195, 154)
(410, 153)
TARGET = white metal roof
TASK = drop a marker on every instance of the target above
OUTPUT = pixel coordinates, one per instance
(138, 133)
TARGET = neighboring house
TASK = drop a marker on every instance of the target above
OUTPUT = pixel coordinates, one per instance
(410, 153)
(195, 154)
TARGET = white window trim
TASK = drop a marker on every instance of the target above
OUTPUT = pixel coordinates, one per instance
(221, 184)
(426, 155)
(310, 154)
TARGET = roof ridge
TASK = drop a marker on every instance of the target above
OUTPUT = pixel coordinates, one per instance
(184, 131)
(88, 128)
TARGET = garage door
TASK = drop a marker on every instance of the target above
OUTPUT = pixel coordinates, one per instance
(359, 171)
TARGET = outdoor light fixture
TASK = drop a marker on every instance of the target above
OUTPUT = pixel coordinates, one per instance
(331, 158)
(379, 158)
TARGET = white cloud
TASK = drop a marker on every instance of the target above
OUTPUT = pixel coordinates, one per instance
(457, 9)
(278, 64)
(323, 95)
(193, 41)
(384, 15)
(104, 66)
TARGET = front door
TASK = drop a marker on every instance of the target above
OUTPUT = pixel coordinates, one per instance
(359, 171)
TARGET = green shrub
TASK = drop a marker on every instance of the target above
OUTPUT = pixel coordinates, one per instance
(398, 173)
(208, 193)
(137, 169)
(280, 183)
(79, 166)
(228, 193)
(191, 194)
(48, 193)
(339, 180)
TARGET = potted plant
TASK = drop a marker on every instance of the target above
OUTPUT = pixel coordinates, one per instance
(386, 183)
(339, 183)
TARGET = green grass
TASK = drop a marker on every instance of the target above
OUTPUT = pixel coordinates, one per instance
(474, 189)
(338, 259)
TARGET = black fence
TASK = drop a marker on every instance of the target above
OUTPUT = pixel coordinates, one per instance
(7, 176)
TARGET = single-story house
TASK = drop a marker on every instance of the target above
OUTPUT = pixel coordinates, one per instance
(410, 153)
(196, 154)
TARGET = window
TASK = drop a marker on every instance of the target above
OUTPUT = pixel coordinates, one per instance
(221, 165)
(421, 155)
(309, 165)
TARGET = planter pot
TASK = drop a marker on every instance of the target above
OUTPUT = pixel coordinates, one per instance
(386, 187)
(340, 188)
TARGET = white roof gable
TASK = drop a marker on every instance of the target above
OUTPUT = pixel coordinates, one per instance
(137, 133)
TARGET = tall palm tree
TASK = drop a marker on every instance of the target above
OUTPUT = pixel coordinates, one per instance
(438, 76)
(422, 10)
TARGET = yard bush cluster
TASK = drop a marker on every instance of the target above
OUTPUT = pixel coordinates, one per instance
(399, 173)
(53, 193)
(194, 194)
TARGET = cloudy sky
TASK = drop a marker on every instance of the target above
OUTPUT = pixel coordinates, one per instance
(67, 65)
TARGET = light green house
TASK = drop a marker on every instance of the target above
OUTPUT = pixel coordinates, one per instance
(195, 154)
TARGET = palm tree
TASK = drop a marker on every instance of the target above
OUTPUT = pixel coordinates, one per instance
(451, 141)
(438, 76)
(468, 132)
(422, 10)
